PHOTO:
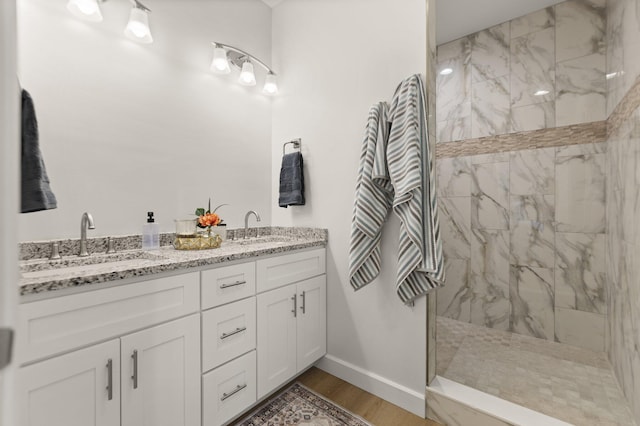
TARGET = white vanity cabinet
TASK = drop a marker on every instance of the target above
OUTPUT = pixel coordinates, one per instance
(291, 318)
(194, 349)
(149, 377)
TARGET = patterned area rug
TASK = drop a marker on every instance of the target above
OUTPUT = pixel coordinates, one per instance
(300, 406)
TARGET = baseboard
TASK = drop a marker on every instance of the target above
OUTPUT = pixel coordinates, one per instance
(373, 383)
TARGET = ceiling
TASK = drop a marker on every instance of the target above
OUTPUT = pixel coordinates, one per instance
(476, 15)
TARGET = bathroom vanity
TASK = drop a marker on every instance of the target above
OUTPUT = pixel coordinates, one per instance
(186, 338)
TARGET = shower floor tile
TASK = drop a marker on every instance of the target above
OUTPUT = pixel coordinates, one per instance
(569, 383)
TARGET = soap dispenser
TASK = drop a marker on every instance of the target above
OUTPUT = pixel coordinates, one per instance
(150, 234)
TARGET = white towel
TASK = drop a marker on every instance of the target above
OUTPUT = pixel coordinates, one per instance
(373, 198)
(410, 162)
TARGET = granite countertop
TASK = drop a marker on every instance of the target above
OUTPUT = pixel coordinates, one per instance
(40, 275)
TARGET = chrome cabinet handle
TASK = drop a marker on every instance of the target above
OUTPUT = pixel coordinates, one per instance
(233, 392)
(304, 302)
(295, 305)
(236, 331)
(134, 356)
(223, 286)
(110, 379)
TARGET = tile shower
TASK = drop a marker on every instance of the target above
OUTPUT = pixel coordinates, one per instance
(537, 179)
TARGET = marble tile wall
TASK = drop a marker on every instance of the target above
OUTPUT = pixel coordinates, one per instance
(524, 243)
(623, 263)
(623, 197)
(542, 70)
(623, 43)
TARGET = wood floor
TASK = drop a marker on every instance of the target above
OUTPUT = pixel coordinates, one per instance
(373, 409)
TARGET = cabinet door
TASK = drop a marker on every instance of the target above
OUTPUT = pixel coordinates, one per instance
(276, 344)
(161, 375)
(312, 321)
(81, 388)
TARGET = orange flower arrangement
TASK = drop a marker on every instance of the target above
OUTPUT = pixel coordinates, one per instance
(207, 218)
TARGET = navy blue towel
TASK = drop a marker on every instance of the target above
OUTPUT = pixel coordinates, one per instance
(291, 181)
(36, 192)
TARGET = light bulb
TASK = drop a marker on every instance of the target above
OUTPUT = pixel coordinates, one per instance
(220, 64)
(270, 84)
(247, 77)
(87, 10)
(138, 27)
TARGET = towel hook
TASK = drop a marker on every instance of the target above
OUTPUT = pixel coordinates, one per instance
(297, 144)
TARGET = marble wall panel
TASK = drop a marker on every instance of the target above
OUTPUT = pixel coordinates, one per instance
(533, 68)
(533, 22)
(489, 278)
(580, 28)
(490, 53)
(580, 90)
(532, 230)
(580, 193)
(532, 171)
(455, 227)
(580, 272)
(533, 117)
(532, 301)
(578, 328)
(453, 177)
(454, 299)
(490, 196)
(453, 90)
(490, 109)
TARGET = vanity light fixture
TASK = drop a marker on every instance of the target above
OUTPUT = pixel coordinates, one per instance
(138, 26)
(88, 10)
(224, 54)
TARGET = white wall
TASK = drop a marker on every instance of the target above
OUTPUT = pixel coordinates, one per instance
(339, 58)
(126, 128)
(9, 172)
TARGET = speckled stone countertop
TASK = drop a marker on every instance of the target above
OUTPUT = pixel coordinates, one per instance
(41, 275)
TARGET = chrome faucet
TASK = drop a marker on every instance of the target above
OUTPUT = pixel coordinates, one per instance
(246, 221)
(87, 219)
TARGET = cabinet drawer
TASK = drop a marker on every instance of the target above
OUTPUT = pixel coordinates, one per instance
(229, 390)
(228, 284)
(53, 326)
(227, 332)
(282, 270)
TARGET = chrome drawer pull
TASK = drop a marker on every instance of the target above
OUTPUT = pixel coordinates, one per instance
(223, 286)
(236, 331)
(295, 305)
(134, 377)
(233, 392)
(110, 379)
(304, 302)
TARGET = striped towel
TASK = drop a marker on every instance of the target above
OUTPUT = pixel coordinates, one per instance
(410, 162)
(374, 195)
